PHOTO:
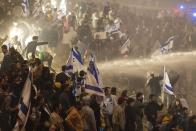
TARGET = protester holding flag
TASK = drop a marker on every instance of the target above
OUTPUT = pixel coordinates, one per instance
(154, 84)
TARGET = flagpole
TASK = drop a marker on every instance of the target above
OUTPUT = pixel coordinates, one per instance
(28, 77)
(162, 92)
(24, 125)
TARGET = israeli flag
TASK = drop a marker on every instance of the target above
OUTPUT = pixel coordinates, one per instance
(168, 45)
(25, 103)
(93, 84)
(167, 85)
(74, 62)
(115, 28)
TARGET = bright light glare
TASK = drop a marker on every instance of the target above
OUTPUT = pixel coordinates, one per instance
(63, 6)
(181, 7)
(194, 14)
(53, 3)
(44, 9)
(15, 32)
(15, 24)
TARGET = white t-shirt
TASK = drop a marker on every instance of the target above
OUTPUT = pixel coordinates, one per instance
(110, 103)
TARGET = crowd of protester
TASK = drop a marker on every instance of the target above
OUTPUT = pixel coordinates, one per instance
(55, 107)
(86, 24)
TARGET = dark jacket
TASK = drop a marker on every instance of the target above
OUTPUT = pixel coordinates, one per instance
(192, 124)
(151, 111)
(139, 106)
(61, 77)
(131, 118)
(6, 63)
(96, 108)
(155, 87)
(17, 57)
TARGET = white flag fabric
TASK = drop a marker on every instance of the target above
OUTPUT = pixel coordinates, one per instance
(93, 84)
(125, 47)
(168, 45)
(112, 29)
(24, 103)
(167, 85)
(74, 62)
(37, 8)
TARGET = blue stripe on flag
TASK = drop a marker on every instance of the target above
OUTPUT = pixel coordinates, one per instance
(94, 88)
(93, 70)
(77, 55)
(25, 3)
(169, 88)
(74, 91)
(168, 41)
(23, 107)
